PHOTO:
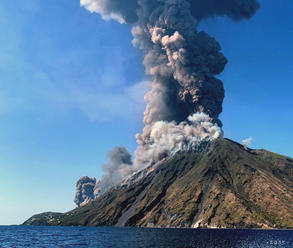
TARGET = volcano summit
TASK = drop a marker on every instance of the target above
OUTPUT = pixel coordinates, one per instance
(224, 185)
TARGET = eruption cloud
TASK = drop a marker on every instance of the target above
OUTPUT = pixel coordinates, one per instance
(185, 101)
(167, 138)
(118, 167)
(84, 191)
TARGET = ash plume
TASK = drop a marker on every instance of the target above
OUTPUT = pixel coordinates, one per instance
(234, 9)
(185, 101)
(84, 191)
(118, 167)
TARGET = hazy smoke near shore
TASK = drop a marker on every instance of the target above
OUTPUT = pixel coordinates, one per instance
(186, 98)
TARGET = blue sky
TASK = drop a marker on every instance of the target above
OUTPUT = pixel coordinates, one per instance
(72, 85)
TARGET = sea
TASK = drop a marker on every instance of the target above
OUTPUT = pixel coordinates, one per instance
(109, 237)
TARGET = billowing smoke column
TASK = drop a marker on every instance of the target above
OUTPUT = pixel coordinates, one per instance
(182, 62)
(118, 167)
(84, 191)
(186, 98)
(167, 138)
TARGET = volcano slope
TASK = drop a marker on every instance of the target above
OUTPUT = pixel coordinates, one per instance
(224, 186)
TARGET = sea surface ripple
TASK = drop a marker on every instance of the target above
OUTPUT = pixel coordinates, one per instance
(108, 237)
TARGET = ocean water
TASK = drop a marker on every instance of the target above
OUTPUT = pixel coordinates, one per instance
(26, 236)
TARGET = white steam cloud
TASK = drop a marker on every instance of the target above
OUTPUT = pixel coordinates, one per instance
(246, 143)
(167, 138)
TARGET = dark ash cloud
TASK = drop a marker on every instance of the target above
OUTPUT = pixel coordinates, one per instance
(84, 191)
(183, 63)
(234, 9)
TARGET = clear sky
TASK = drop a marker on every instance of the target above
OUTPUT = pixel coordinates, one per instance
(72, 85)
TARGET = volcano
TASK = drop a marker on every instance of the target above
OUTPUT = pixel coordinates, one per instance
(224, 185)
